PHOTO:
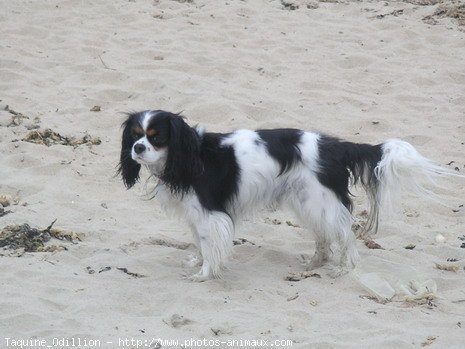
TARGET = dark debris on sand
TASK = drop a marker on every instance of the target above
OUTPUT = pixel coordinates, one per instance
(300, 275)
(22, 236)
(16, 117)
(3, 212)
(450, 9)
(48, 137)
(130, 273)
(454, 10)
(372, 245)
(242, 241)
(423, 2)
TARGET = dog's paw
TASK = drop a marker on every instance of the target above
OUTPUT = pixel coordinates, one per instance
(310, 263)
(338, 271)
(193, 261)
(304, 259)
(199, 277)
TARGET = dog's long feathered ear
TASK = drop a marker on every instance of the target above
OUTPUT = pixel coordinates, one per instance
(128, 168)
(183, 163)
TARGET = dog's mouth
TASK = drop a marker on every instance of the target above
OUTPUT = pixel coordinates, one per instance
(140, 159)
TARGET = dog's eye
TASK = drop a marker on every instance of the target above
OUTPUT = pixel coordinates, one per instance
(137, 132)
(152, 133)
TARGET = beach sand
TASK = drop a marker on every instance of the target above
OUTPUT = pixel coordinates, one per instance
(365, 71)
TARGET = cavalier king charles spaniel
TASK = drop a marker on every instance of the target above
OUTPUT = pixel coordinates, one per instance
(213, 179)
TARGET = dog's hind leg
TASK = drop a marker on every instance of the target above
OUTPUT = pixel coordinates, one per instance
(321, 211)
(321, 256)
(348, 252)
(311, 212)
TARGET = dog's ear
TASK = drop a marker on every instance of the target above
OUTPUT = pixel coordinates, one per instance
(183, 163)
(128, 168)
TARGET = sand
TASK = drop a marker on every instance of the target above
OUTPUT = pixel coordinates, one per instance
(363, 70)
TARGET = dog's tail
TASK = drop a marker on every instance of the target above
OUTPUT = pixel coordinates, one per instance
(386, 170)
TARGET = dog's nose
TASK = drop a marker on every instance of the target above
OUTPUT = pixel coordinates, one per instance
(139, 148)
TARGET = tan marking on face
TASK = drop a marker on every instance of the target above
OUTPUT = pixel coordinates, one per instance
(151, 132)
(138, 131)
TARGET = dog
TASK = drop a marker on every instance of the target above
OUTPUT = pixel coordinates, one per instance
(213, 179)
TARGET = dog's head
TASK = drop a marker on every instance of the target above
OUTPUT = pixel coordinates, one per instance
(165, 144)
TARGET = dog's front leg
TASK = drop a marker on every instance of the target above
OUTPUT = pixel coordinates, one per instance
(214, 232)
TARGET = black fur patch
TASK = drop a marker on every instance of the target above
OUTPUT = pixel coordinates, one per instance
(338, 159)
(183, 164)
(282, 145)
(128, 168)
(218, 184)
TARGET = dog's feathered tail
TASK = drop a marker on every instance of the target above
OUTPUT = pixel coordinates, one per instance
(389, 169)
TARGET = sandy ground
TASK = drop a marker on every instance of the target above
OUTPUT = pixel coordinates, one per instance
(365, 71)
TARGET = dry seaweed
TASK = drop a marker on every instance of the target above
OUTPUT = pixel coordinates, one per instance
(170, 243)
(7, 200)
(395, 13)
(16, 118)
(48, 137)
(29, 239)
(291, 298)
(452, 9)
(35, 125)
(289, 223)
(372, 245)
(70, 236)
(411, 213)
(3, 212)
(448, 267)
(374, 299)
(421, 294)
(297, 276)
(223, 330)
(136, 275)
(430, 20)
(273, 221)
(289, 5)
(429, 340)
(177, 320)
(423, 2)
(242, 241)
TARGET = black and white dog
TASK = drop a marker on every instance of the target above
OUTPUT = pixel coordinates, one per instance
(212, 179)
